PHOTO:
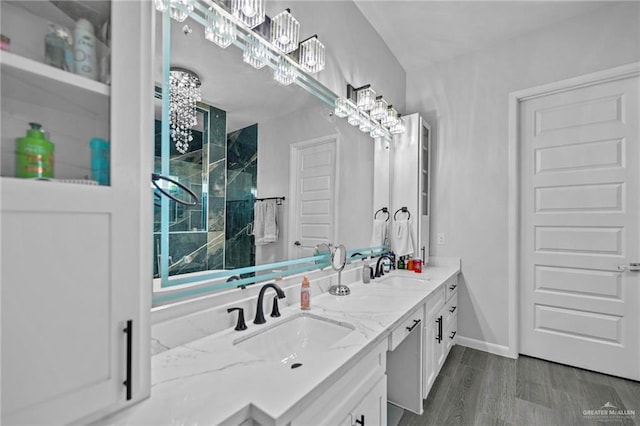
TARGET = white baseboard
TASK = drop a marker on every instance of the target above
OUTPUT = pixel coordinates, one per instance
(481, 345)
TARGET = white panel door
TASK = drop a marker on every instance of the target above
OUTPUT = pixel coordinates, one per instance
(580, 214)
(314, 183)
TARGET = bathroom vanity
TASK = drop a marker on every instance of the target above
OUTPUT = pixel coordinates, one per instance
(338, 363)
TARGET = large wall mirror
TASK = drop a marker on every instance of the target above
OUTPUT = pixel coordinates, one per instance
(257, 144)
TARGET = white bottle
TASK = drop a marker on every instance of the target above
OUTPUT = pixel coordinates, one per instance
(85, 49)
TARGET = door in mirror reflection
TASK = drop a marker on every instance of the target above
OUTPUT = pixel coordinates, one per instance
(313, 171)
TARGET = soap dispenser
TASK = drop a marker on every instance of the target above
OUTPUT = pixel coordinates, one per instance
(305, 294)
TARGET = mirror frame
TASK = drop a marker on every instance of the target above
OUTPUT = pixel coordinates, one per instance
(200, 284)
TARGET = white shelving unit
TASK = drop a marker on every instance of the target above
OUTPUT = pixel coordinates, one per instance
(73, 256)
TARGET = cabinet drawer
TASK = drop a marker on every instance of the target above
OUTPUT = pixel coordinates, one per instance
(451, 286)
(451, 333)
(451, 307)
(434, 303)
(403, 330)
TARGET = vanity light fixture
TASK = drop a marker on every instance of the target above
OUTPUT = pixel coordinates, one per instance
(354, 117)
(365, 123)
(398, 127)
(285, 31)
(311, 54)
(342, 108)
(378, 131)
(219, 29)
(379, 110)
(180, 9)
(366, 97)
(256, 53)
(184, 92)
(390, 118)
(251, 12)
(285, 73)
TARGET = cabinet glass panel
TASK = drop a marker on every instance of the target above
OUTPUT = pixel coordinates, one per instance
(56, 80)
(425, 171)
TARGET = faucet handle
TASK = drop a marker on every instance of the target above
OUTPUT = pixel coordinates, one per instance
(241, 325)
(275, 312)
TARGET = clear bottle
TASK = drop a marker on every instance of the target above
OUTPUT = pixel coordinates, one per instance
(305, 294)
(85, 49)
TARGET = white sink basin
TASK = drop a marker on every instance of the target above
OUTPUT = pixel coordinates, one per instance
(289, 340)
(401, 280)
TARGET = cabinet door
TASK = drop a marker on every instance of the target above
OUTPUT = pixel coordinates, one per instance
(410, 182)
(372, 409)
(74, 260)
(435, 349)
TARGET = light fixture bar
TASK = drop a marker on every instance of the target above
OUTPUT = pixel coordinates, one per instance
(273, 56)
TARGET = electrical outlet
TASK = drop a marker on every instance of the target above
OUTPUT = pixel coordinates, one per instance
(441, 238)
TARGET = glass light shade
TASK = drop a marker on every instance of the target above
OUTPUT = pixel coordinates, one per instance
(285, 32)
(285, 74)
(366, 98)
(342, 108)
(365, 123)
(256, 53)
(398, 127)
(390, 118)
(354, 117)
(219, 29)
(178, 11)
(377, 131)
(312, 55)
(161, 5)
(379, 110)
(251, 12)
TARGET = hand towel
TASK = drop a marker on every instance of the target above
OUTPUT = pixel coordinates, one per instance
(379, 233)
(259, 213)
(402, 239)
(265, 222)
(270, 221)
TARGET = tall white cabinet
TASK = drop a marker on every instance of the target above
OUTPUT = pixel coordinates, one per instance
(75, 256)
(411, 181)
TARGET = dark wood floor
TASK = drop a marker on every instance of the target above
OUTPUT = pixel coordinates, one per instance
(478, 388)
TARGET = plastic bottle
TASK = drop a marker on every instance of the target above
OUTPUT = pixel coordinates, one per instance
(100, 161)
(417, 265)
(401, 263)
(410, 264)
(305, 294)
(34, 154)
(85, 49)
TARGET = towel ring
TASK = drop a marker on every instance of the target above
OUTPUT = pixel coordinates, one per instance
(404, 210)
(156, 177)
(383, 210)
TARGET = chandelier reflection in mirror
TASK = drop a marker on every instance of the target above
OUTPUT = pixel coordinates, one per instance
(184, 92)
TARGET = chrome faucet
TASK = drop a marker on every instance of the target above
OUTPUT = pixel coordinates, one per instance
(259, 313)
(380, 266)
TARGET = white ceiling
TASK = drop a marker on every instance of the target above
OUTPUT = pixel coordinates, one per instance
(422, 32)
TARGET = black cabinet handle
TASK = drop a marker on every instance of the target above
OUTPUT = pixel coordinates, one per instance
(128, 330)
(361, 421)
(414, 325)
(453, 309)
(439, 322)
(453, 334)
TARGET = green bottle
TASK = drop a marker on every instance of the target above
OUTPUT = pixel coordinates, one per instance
(34, 154)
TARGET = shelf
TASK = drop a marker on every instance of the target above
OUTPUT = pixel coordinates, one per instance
(54, 79)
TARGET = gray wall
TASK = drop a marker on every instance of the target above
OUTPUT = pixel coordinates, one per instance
(466, 100)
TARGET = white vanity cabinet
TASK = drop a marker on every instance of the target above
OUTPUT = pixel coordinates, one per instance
(358, 398)
(441, 319)
(411, 181)
(74, 256)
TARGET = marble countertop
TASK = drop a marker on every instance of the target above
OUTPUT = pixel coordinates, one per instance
(211, 381)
